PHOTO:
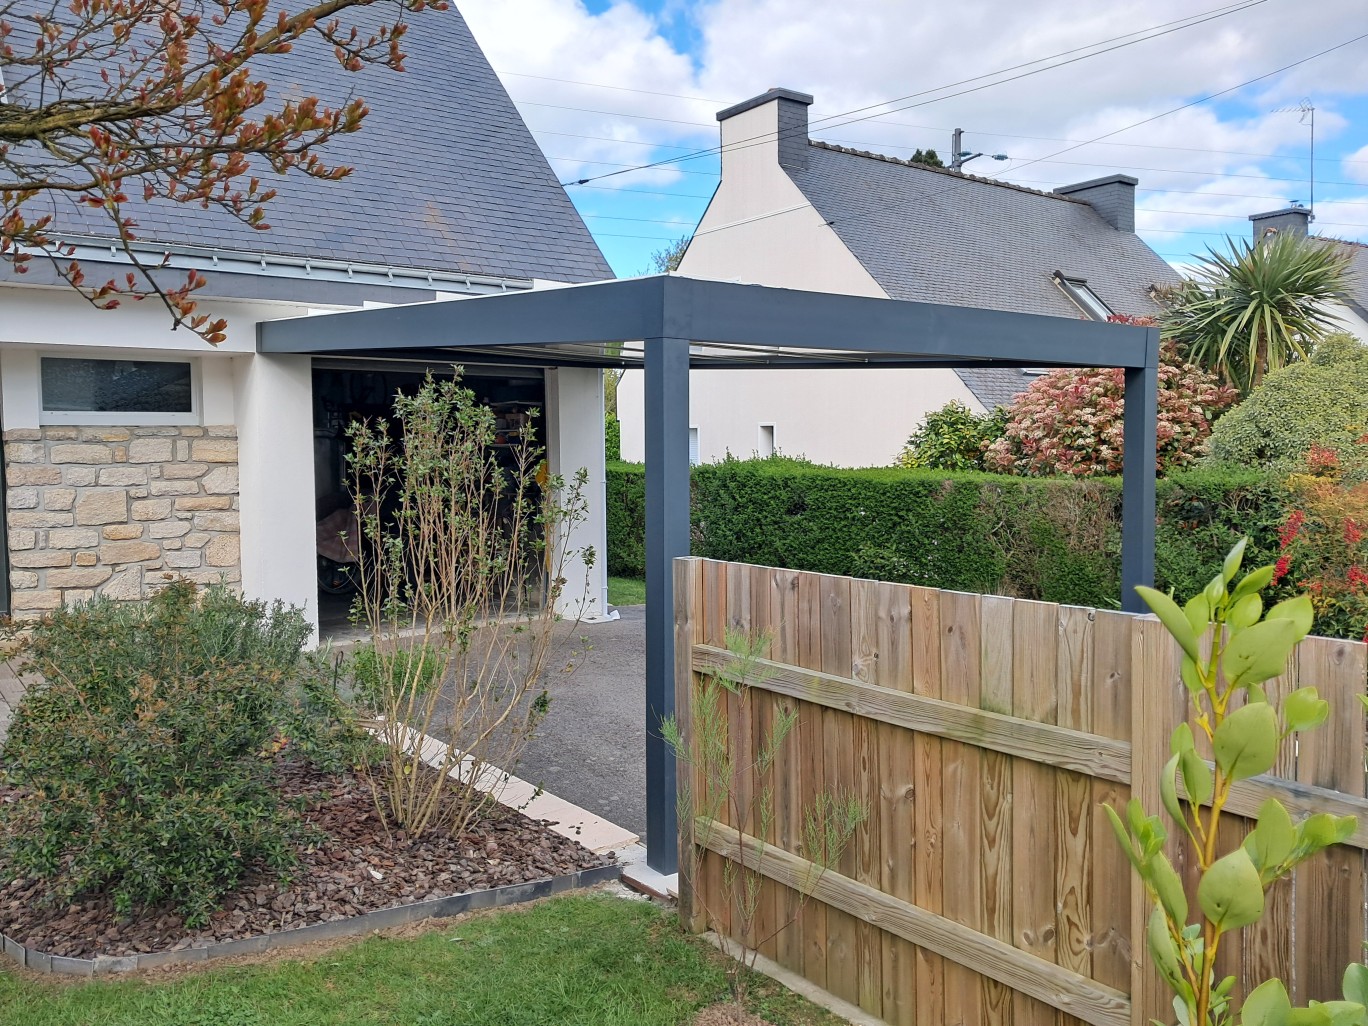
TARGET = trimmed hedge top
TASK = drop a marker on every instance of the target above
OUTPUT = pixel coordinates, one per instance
(1053, 539)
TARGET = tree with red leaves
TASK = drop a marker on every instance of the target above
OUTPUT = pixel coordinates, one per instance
(108, 104)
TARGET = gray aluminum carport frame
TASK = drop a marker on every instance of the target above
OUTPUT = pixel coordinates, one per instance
(667, 324)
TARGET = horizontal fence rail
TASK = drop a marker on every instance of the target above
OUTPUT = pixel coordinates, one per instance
(982, 734)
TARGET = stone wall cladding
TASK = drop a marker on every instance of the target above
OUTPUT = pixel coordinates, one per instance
(118, 511)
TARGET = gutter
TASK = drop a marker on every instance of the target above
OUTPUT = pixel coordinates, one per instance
(91, 249)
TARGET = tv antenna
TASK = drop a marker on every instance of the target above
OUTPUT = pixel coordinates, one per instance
(1307, 112)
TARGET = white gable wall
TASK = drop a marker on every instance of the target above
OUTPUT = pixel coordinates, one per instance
(760, 229)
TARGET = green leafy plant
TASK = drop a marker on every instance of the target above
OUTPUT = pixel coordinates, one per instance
(1231, 646)
(708, 788)
(1321, 401)
(953, 438)
(465, 548)
(140, 753)
(1257, 307)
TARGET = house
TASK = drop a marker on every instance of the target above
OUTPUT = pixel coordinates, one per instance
(1352, 313)
(133, 451)
(796, 212)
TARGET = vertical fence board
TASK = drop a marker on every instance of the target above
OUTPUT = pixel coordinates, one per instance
(838, 728)
(995, 783)
(1073, 794)
(1034, 846)
(927, 797)
(688, 594)
(812, 744)
(785, 625)
(1158, 704)
(712, 630)
(897, 816)
(756, 581)
(869, 774)
(1331, 756)
(1111, 876)
(961, 683)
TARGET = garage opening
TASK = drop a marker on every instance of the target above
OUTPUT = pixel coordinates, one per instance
(345, 391)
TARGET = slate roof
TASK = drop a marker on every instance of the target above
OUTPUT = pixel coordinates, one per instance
(1357, 298)
(939, 236)
(446, 174)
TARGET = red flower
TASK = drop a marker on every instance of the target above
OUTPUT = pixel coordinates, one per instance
(1289, 530)
(1280, 568)
(1353, 534)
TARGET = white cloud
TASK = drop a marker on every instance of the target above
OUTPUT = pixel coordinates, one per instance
(1355, 166)
(862, 52)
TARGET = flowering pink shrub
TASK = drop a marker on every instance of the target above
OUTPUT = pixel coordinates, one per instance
(1069, 422)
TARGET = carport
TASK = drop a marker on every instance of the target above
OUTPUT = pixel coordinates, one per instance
(666, 325)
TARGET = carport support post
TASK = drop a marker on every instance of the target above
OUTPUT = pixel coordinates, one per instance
(667, 536)
(1140, 434)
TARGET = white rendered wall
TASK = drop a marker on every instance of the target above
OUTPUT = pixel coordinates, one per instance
(574, 424)
(759, 229)
(1351, 322)
(849, 418)
(275, 456)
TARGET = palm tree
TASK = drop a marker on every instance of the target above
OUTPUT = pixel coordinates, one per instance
(1258, 307)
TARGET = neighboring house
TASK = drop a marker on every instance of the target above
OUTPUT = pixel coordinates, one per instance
(803, 214)
(1353, 312)
(134, 452)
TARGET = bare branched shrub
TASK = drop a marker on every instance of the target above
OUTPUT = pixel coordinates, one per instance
(463, 555)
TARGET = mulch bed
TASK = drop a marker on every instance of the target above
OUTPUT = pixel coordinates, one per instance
(355, 868)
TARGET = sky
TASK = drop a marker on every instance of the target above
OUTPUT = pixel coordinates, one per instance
(609, 86)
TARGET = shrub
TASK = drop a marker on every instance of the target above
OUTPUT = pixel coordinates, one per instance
(625, 493)
(1042, 538)
(953, 438)
(140, 751)
(1324, 539)
(467, 556)
(1323, 402)
(1069, 422)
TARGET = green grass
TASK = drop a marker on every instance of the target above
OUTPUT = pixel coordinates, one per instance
(626, 591)
(580, 960)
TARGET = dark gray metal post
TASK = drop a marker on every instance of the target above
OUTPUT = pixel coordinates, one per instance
(667, 536)
(1137, 476)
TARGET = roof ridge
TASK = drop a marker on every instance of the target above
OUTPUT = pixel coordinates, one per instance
(948, 172)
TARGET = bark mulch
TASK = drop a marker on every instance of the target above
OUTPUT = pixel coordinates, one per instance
(355, 867)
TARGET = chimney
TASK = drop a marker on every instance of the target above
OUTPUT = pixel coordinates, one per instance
(1290, 220)
(788, 121)
(1113, 197)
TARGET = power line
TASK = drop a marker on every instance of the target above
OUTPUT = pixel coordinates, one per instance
(898, 124)
(1155, 32)
(1145, 121)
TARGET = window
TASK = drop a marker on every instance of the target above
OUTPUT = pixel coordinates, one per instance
(766, 441)
(1083, 297)
(694, 458)
(92, 391)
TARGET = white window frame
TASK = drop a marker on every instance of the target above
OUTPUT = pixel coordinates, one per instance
(695, 447)
(97, 418)
(1083, 297)
(760, 440)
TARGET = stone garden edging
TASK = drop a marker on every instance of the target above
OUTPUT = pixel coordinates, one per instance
(353, 926)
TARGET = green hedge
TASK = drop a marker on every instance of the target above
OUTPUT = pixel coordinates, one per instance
(1052, 539)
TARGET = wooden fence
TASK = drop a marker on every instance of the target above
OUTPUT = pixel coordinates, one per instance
(984, 733)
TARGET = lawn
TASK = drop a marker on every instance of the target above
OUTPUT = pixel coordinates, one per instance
(580, 960)
(626, 591)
